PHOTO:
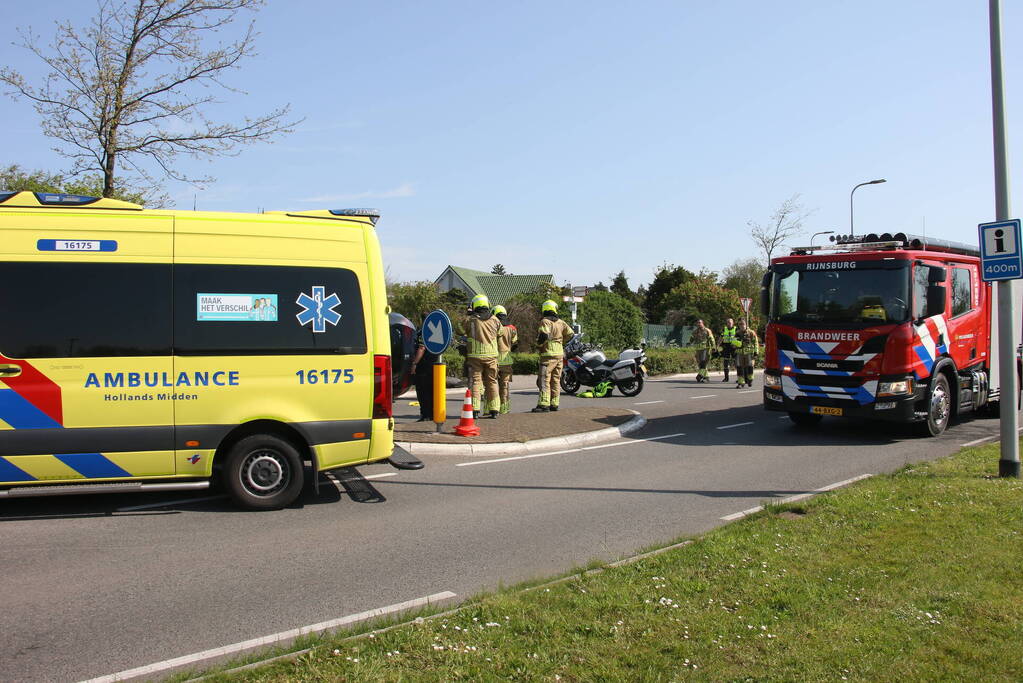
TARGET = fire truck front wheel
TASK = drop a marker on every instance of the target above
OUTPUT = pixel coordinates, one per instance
(805, 419)
(939, 407)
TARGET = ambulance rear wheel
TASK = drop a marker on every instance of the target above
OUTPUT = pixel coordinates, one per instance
(263, 472)
(805, 419)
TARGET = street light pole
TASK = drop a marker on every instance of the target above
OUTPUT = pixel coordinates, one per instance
(1008, 463)
(822, 232)
(852, 233)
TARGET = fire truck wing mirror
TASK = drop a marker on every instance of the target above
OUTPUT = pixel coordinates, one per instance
(936, 275)
(765, 294)
(935, 299)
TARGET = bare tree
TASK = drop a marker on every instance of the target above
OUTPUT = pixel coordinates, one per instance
(132, 86)
(785, 223)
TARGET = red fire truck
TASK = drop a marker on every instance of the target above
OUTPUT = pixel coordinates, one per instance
(890, 327)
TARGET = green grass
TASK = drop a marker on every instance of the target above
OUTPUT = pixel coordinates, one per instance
(914, 576)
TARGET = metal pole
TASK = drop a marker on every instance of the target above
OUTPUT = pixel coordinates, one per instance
(1008, 321)
(852, 232)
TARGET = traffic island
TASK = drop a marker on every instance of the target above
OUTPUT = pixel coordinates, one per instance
(521, 433)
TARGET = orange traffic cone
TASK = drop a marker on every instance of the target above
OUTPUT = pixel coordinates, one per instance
(466, 425)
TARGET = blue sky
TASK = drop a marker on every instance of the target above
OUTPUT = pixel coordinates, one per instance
(582, 138)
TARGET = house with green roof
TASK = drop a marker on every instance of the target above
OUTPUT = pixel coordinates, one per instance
(498, 288)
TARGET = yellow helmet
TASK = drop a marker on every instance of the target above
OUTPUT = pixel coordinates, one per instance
(499, 310)
(549, 306)
(480, 301)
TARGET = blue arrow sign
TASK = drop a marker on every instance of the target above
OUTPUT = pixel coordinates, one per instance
(437, 332)
(1001, 257)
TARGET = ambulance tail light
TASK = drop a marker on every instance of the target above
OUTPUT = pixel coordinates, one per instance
(383, 403)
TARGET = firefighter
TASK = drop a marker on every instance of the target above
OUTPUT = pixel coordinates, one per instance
(481, 328)
(727, 345)
(747, 346)
(507, 341)
(553, 335)
(703, 342)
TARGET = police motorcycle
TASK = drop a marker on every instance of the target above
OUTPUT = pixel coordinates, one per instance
(586, 365)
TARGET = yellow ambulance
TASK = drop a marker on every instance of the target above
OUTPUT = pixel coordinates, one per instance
(163, 350)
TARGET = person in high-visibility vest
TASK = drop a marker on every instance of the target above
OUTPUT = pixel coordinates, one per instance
(553, 335)
(703, 341)
(481, 328)
(727, 345)
(507, 341)
(747, 346)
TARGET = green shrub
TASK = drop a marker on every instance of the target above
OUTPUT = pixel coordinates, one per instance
(610, 320)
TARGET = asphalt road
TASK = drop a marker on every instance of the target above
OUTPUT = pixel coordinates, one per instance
(90, 587)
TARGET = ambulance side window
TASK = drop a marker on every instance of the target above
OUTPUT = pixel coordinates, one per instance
(80, 310)
(294, 310)
(962, 293)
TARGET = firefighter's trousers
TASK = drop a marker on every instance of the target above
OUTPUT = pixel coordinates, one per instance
(702, 356)
(483, 380)
(549, 381)
(744, 366)
(504, 380)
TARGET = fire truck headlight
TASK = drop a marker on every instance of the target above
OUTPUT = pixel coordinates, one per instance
(900, 388)
(772, 381)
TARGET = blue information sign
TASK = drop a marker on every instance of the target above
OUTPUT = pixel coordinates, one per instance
(437, 332)
(1000, 255)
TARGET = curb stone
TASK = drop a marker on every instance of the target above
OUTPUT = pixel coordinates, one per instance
(635, 423)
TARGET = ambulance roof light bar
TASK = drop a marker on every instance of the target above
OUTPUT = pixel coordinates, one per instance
(372, 214)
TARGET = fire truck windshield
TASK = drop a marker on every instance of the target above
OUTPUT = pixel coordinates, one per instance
(857, 297)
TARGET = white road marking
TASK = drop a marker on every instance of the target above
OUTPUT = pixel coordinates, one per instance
(798, 497)
(693, 398)
(148, 506)
(281, 638)
(646, 403)
(738, 424)
(568, 450)
(749, 391)
(986, 438)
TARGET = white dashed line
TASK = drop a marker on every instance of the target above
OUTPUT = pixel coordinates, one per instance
(799, 496)
(281, 638)
(693, 398)
(646, 403)
(569, 450)
(739, 424)
(749, 391)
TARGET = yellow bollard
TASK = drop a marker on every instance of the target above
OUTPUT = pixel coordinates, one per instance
(440, 394)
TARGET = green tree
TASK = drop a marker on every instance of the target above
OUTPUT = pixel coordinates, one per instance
(610, 320)
(498, 269)
(599, 287)
(620, 286)
(15, 179)
(132, 87)
(700, 300)
(666, 278)
(414, 299)
(744, 276)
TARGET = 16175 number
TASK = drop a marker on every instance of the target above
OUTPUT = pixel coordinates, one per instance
(332, 376)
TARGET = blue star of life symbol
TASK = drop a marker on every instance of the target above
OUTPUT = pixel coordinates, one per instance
(318, 309)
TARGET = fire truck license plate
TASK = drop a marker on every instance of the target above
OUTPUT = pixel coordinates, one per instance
(823, 410)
